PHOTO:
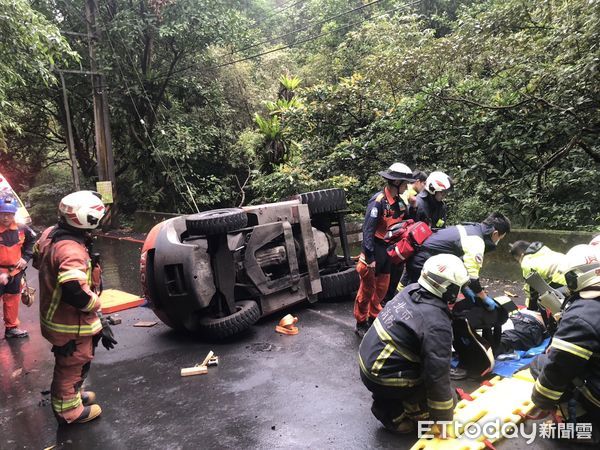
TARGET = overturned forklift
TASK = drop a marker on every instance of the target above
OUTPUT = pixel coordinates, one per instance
(217, 272)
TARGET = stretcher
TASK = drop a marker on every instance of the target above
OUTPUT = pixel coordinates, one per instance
(496, 402)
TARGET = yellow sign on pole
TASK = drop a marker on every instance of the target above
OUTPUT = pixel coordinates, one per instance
(104, 188)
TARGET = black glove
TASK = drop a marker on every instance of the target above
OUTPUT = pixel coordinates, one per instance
(106, 335)
(65, 350)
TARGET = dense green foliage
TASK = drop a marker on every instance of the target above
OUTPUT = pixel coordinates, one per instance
(503, 95)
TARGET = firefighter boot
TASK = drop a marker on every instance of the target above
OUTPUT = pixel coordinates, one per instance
(88, 398)
(361, 329)
(88, 414)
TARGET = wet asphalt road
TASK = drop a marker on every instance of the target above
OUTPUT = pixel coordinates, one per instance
(269, 390)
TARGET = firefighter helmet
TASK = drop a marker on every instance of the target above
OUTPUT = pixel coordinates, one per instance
(596, 241)
(7, 206)
(398, 172)
(582, 268)
(444, 275)
(82, 209)
(437, 182)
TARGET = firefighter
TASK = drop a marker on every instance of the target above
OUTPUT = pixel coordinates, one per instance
(415, 187)
(570, 370)
(431, 207)
(385, 209)
(16, 249)
(405, 356)
(536, 257)
(469, 242)
(70, 283)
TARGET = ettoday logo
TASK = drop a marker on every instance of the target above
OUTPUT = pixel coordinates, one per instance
(497, 429)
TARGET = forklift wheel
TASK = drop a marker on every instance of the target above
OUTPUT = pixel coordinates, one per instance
(247, 313)
(324, 201)
(216, 221)
(339, 285)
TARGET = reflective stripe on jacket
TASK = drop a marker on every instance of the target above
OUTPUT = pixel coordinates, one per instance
(468, 242)
(59, 262)
(574, 356)
(547, 263)
(409, 344)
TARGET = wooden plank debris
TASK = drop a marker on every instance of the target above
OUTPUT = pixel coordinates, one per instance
(142, 323)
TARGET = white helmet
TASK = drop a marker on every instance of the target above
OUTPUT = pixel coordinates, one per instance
(596, 241)
(444, 275)
(82, 209)
(437, 182)
(398, 172)
(582, 268)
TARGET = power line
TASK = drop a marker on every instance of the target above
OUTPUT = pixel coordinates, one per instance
(283, 8)
(156, 152)
(306, 27)
(312, 38)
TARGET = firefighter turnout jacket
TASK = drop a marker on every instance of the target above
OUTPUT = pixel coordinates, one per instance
(68, 286)
(468, 242)
(573, 357)
(547, 263)
(431, 211)
(383, 211)
(409, 344)
(16, 242)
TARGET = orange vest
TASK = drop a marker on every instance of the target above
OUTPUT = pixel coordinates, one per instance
(387, 219)
(59, 262)
(11, 244)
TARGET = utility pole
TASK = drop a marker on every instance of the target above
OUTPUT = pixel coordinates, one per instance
(70, 143)
(106, 166)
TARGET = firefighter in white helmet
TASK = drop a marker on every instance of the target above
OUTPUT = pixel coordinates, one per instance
(431, 207)
(70, 284)
(405, 356)
(570, 370)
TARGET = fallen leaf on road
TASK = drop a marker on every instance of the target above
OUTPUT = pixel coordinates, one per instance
(16, 373)
(510, 294)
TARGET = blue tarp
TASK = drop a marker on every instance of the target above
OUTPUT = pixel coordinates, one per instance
(508, 368)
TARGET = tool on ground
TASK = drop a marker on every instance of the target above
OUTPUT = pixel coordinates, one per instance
(287, 325)
(202, 368)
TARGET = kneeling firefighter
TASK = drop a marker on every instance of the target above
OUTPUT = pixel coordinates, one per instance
(70, 283)
(405, 356)
(569, 373)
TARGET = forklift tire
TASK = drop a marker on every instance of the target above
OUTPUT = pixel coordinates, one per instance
(216, 221)
(247, 314)
(164, 317)
(339, 285)
(324, 201)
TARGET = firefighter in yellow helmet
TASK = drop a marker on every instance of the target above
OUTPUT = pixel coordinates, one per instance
(70, 283)
(405, 356)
